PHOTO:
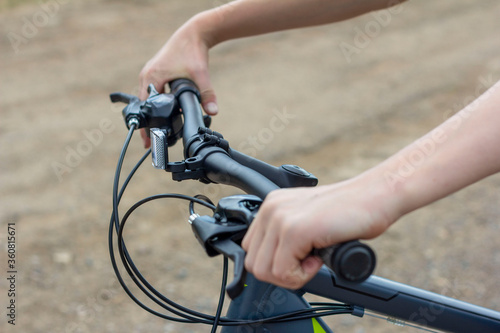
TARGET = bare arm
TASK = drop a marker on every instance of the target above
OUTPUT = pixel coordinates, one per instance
(185, 55)
(461, 151)
(245, 18)
(291, 222)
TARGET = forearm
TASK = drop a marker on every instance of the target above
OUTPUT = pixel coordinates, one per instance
(459, 152)
(243, 18)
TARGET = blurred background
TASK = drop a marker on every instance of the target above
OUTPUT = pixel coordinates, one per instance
(346, 96)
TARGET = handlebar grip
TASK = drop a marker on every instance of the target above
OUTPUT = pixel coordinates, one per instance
(189, 99)
(179, 84)
(352, 261)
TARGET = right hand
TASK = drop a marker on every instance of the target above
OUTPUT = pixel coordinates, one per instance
(292, 222)
(185, 55)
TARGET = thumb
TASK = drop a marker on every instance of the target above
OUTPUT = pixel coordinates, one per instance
(298, 276)
(310, 266)
(208, 98)
(210, 104)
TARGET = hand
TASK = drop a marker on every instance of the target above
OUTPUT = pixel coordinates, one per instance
(291, 222)
(185, 55)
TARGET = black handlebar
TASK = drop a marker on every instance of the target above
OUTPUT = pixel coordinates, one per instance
(222, 169)
(211, 160)
(188, 97)
(352, 261)
(219, 166)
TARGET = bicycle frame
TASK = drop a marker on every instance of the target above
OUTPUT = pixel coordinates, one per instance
(260, 300)
(408, 304)
(392, 299)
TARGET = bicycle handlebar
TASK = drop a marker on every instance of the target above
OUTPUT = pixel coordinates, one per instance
(353, 261)
(188, 96)
(210, 159)
(219, 167)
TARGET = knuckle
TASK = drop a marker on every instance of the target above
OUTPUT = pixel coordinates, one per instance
(374, 229)
(280, 217)
(261, 273)
(146, 72)
(287, 278)
(198, 68)
(197, 74)
(207, 94)
(290, 226)
(249, 264)
(273, 197)
(279, 274)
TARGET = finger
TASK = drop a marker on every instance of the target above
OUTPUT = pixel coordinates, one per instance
(151, 75)
(145, 139)
(247, 239)
(298, 274)
(146, 77)
(287, 270)
(251, 243)
(264, 218)
(143, 88)
(311, 265)
(144, 80)
(208, 98)
(209, 103)
(261, 259)
(295, 274)
(292, 265)
(256, 231)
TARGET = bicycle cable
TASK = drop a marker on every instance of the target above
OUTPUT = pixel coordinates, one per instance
(115, 221)
(183, 314)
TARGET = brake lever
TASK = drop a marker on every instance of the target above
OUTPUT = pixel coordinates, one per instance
(233, 251)
(133, 111)
(217, 238)
(123, 98)
(222, 234)
(157, 111)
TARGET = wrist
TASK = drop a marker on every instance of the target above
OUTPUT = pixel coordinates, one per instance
(382, 199)
(401, 187)
(205, 27)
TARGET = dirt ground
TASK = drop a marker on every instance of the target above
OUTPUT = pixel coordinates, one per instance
(353, 93)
